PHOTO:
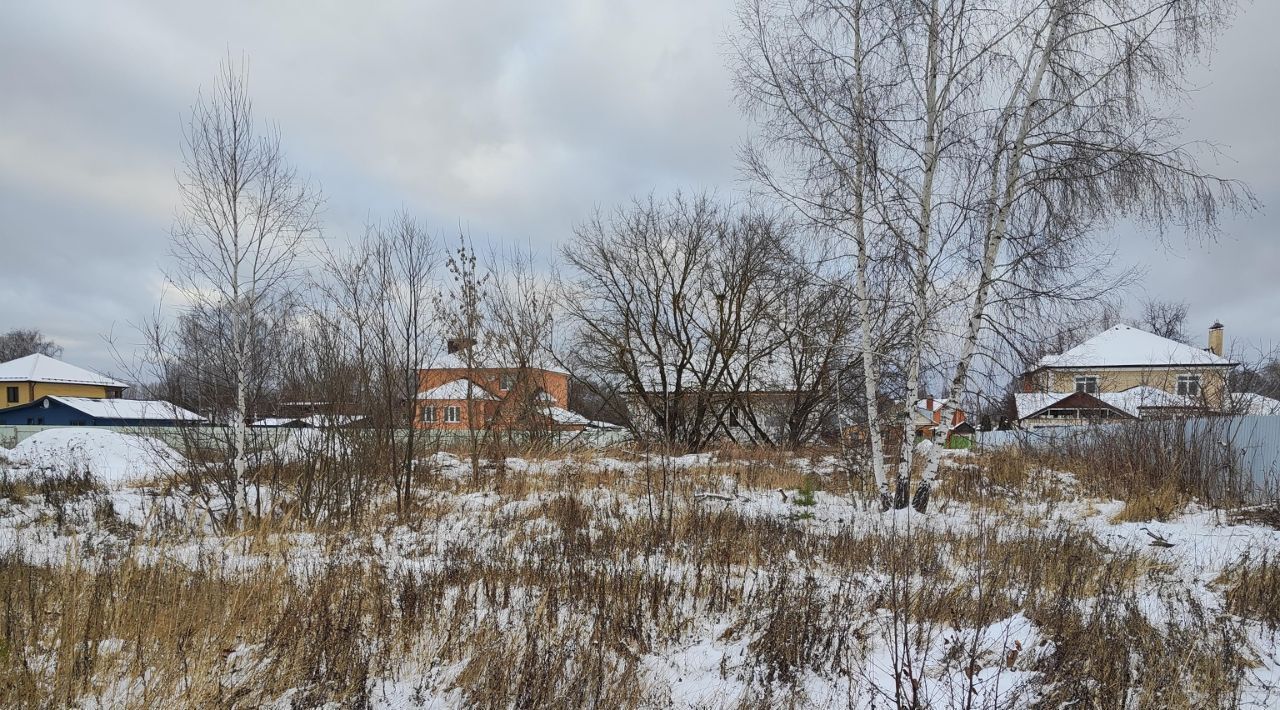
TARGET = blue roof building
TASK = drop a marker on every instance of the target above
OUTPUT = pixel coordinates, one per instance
(53, 410)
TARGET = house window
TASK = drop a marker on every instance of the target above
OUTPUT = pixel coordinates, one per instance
(1087, 384)
(428, 414)
(11, 394)
(506, 382)
(1189, 385)
(453, 415)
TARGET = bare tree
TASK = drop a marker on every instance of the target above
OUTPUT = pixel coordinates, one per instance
(1261, 377)
(795, 392)
(461, 310)
(246, 215)
(377, 302)
(1168, 319)
(22, 342)
(522, 311)
(981, 148)
(670, 299)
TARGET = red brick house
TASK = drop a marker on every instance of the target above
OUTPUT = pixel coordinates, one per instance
(926, 416)
(457, 395)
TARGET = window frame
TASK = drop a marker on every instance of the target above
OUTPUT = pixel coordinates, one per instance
(1189, 384)
(453, 414)
(1082, 383)
(506, 382)
(429, 415)
(12, 394)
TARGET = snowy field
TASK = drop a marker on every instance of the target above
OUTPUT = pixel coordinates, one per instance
(715, 580)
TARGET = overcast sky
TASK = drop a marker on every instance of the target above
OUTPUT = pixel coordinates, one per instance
(512, 118)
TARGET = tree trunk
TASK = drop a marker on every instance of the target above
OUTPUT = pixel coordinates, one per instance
(997, 224)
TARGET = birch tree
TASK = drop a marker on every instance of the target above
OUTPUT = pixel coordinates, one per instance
(246, 214)
(808, 74)
(1080, 140)
(981, 146)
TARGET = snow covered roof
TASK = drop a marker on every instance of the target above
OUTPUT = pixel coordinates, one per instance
(1126, 346)
(560, 415)
(1254, 404)
(275, 421)
(484, 360)
(128, 408)
(42, 368)
(564, 416)
(1029, 403)
(315, 420)
(1131, 401)
(928, 405)
(1135, 399)
(457, 389)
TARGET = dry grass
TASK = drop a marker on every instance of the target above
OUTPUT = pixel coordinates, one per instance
(1160, 503)
(1155, 467)
(554, 589)
(1253, 589)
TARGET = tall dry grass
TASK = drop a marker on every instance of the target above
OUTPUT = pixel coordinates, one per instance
(564, 590)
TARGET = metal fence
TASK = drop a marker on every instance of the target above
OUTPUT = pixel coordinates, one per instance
(213, 437)
(1249, 445)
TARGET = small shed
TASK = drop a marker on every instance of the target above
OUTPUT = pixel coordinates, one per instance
(54, 410)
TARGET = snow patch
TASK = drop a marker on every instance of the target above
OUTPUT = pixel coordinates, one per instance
(110, 456)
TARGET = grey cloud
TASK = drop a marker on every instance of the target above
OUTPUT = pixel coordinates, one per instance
(514, 118)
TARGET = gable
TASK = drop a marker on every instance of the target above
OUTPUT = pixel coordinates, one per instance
(1030, 404)
(457, 389)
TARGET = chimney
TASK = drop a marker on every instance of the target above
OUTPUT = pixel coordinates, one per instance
(1215, 338)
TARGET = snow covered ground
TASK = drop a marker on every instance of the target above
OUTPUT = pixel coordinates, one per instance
(112, 458)
(765, 595)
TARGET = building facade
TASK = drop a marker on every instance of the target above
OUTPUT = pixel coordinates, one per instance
(30, 378)
(1125, 373)
(465, 392)
(54, 410)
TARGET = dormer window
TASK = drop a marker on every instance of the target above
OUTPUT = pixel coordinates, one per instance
(1189, 385)
(1087, 384)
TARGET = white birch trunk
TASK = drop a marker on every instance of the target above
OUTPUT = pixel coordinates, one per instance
(995, 233)
(871, 382)
(924, 227)
(239, 436)
(870, 371)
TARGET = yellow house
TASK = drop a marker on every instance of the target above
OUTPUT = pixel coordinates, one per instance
(34, 376)
(1125, 372)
